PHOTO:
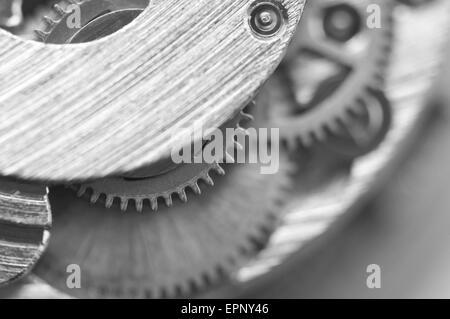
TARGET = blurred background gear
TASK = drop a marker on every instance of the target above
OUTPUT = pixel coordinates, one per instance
(339, 54)
(164, 180)
(366, 130)
(326, 257)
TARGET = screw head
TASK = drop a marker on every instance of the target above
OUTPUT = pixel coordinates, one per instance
(266, 18)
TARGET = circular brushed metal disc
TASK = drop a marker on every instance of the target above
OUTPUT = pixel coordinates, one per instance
(90, 110)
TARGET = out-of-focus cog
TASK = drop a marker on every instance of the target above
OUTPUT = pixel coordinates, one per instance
(183, 249)
(339, 55)
(366, 130)
(10, 13)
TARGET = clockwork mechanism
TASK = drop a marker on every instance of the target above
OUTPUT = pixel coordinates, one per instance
(97, 92)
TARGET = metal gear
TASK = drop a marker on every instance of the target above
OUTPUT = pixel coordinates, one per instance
(178, 252)
(163, 179)
(333, 63)
(151, 184)
(10, 13)
(118, 104)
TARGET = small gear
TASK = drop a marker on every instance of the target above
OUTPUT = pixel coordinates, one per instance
(179, 252)
(337, 57)
(151, 184)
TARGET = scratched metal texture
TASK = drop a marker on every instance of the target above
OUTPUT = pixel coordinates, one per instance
(113, 105)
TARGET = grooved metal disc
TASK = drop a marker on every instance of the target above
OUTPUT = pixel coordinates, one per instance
(71, 112)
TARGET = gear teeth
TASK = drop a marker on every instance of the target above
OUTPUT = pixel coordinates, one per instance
(245, 116)
(310, 129)
(208, 180)
(41, 35)
(124, 204)
(59, 10)
(81, 190)
(94, 197)
(182, 195)
(246, 244)
(49, 22)
(154, 203)
(320, 135)
(139, 205)
(109, 201)
(196, 188)
(168, 200)
(167, 196)
(219, 170)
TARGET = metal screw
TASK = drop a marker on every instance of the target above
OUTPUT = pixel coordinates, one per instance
(266, 18)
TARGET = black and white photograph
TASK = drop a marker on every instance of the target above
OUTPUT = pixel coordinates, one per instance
(210, 150)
